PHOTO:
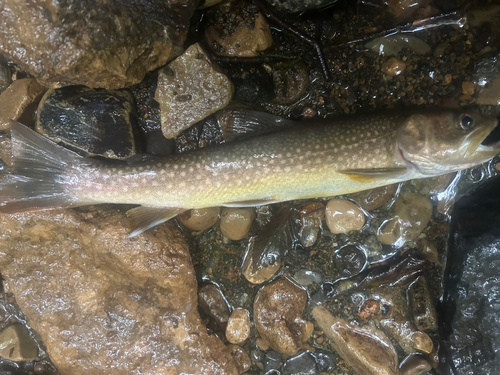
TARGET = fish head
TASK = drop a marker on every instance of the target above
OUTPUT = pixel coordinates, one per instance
(439, 142)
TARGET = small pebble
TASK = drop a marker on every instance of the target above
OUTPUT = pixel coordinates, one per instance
(374, 198)
(393, 67)
(5, 76)
(422, 342)
(272, 360)
(238, 326)
(343, 216)
(447, 79)
(350, 260)
(235, 223)
(414, 364)
(200, 219)
(262, 343)
(369, 308)
(311, 214)
(211, 302)
(241, 358)
(306, 277)
(16, 344)
(308, 112)
(468, 88)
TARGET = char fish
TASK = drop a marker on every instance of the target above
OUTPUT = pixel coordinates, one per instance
(292, 160)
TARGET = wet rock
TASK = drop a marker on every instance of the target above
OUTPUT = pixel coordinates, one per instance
(189, 89)
(235, 223)
(414, 364)
(109, 45)
(5, 151)
(422, 342)
(272, 361)
(343, 216)
(290, 82)
(238, 326)
(311, 215)
(403, 9)
(241, 358)
(200, 219)
(212, 302)
(486, 69)
(85, 285)
(5, 76)
(423, 310)
(278, 308)
(393, 67)
(247, 38)
(374, 198)
(16, 344)
(325, 360)
(365, 349)
(262, 273)
(306, 277)
(97, 122)
(18, 99)
(412, 212)
(393, 44)
(207, 3)
(350, 260)
(301, 364)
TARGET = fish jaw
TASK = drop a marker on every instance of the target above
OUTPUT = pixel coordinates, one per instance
(474, 142)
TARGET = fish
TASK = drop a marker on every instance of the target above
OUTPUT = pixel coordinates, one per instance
(281, 160)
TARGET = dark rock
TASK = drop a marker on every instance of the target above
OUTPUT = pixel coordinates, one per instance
(422, 306)
(110, 44)
(325, 360)
(290, 82)
(272, 361)
(5, 76)
(295, 6)
(301, 364)
(252, 85)
(350, 260)
(103, 303)
(469, 314)
(98, 122)
(212, 302)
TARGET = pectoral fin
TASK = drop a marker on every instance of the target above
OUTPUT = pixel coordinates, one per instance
(367, 175)
(143, 218)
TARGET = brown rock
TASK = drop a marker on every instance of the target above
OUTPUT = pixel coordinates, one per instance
(238, 326)
(200, 219)
(490, 95)
(189, 89)
(16, 99)
(235, 223)
(278, 308)
(109, 44)
(241, 358)
(369, 308)
(16, 344)
(343, 216)
(104, 303)
(262, 273)
(423, 310)
(393, 67)
(366, 350)
(247, 39)
(212, 303)
(422, 342)
(374, 198)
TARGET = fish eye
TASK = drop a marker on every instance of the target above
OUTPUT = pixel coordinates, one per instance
(466, 122)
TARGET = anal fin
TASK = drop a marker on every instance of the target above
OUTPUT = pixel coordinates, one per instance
(143, 218)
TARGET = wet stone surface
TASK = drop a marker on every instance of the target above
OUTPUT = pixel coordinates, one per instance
(97, 122)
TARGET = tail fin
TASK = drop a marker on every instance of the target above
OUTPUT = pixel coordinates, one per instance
(39, 179)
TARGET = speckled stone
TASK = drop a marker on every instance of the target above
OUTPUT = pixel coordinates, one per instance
(238, 326)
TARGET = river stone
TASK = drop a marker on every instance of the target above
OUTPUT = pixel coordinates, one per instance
(199, 219)
(366, 350)
(238, 326)
(189, 89)
(16, 99)
(5, 75)
(235, 223)
(423, 311)
(104, 303)
(278, 310)
(95, 121)
(16, 344)
(343, 216)
(110, 44)
(301, 364)
(374, 198)
(212, 302)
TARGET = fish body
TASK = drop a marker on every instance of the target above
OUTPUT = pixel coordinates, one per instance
(327, 158)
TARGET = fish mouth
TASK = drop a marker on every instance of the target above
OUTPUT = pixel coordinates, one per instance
(477, 137)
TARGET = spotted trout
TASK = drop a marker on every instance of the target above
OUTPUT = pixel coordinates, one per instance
(287, 161)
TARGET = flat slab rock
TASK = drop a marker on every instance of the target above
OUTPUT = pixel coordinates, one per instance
(108, 44)
(104, 303)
